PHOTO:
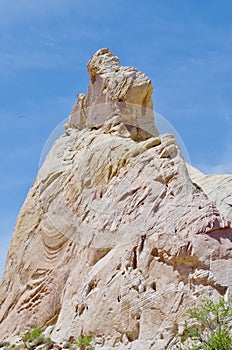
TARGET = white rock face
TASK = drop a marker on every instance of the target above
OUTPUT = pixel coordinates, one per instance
(217, 188)
(114, 239)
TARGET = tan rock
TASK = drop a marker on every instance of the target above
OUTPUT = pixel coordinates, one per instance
(114, 239)
(115, 94)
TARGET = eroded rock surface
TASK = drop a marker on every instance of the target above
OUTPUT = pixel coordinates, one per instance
(114, 239)
(116, 93)
(217, 188)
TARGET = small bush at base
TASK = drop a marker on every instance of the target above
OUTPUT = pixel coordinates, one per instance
(85, 342)
(208, 327)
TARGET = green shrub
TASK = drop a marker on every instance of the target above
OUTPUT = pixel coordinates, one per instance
(32, 335)
(36, 333)
(208, 327)
(33, 338)
(86, 341)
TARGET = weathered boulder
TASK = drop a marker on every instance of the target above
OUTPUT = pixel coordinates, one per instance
(114, 239)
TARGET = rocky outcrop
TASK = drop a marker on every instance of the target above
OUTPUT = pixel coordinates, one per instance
(217, 188)
(114, 239)
(115, 94)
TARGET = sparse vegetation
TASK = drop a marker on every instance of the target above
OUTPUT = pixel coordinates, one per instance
(35, 338)
(208, 327)
(85, 342)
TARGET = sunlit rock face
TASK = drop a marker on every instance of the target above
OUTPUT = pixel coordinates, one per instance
(114, 238)
(115, 94)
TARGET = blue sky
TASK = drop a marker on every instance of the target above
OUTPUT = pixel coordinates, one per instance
(185, 47)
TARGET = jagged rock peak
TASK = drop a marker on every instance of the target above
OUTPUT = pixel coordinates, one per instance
(103, 61)
(118, 97)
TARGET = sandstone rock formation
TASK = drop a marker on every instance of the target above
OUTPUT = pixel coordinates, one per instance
(115, 94)
(217, 188)
(114, 239)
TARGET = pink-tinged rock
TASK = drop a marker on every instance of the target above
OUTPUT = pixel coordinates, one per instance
(115, 94)
(114, 239)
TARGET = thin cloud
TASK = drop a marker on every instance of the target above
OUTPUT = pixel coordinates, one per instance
(224, 166)
(25, 60)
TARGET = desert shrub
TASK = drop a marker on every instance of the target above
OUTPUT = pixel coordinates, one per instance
(33, 338)
(85, 342)
(208, 327)
(32, 335)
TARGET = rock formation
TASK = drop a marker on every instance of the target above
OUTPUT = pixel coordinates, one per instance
(114, 239)
(217, 188)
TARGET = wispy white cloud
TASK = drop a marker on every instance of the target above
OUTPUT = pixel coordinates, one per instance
(221, 168)
(224, 164)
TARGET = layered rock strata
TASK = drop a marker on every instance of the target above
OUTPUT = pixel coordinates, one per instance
(114, 239)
